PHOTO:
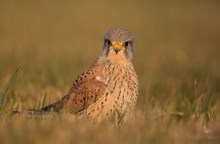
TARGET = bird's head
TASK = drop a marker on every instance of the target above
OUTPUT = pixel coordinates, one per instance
(118, 44)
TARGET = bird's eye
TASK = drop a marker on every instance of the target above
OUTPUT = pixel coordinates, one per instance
(108, 42)
(126, 44)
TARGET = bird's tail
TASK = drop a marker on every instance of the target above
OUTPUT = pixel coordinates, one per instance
(34, 114)
(54, 107)
(48, 111)
(57, 106)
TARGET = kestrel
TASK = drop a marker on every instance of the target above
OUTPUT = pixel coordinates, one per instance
(109, 88)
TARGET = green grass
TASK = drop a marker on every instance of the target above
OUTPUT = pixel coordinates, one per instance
(176, 57)
(6, 99)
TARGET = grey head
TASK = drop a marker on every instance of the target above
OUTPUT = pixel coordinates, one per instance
(118, 42)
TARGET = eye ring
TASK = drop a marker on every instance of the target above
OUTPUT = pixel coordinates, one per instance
(126, 44)
(108, 42)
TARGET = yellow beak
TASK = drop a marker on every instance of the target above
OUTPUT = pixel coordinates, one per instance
(117, 47)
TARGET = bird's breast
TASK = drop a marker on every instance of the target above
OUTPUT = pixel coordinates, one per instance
(122, 86)
(120, 94)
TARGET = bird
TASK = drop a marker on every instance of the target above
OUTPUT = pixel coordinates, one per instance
(108, 90)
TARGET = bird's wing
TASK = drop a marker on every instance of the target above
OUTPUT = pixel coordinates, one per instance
(86, 90)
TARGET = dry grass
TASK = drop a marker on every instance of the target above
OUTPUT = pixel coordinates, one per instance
(176, 58)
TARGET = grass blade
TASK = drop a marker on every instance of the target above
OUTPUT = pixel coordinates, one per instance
(7, 87)
(43, 104)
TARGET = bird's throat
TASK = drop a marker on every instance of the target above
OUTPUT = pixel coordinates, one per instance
(117, 58)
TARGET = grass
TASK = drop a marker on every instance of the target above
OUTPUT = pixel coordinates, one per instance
(6, 102)
(176, 58)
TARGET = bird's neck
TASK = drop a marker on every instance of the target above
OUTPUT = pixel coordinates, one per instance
(118, 59)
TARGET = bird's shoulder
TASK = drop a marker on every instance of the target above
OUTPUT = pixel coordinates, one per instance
(86, 89)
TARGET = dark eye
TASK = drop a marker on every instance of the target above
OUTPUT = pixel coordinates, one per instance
(108, 42)
(126, 44)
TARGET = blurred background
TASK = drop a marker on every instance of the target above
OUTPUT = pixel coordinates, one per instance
(176, 44)
(176, 56)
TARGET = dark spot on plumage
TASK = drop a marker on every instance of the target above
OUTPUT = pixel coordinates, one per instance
(115, 84)
(113, 69)
(96, 96)
(67, 97)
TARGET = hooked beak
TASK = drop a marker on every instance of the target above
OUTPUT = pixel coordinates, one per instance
(117, 48)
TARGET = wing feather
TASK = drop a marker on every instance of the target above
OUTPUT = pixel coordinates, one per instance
(86, 90)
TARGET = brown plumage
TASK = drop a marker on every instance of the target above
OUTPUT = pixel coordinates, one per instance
(108, 90)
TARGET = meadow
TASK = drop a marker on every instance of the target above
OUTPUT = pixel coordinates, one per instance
(44, 45)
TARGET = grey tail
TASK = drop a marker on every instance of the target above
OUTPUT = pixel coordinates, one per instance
(54, 107)
(34, 114)
(57, 106)
(48, 111)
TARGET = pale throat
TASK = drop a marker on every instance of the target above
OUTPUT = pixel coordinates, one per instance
(118, 58)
